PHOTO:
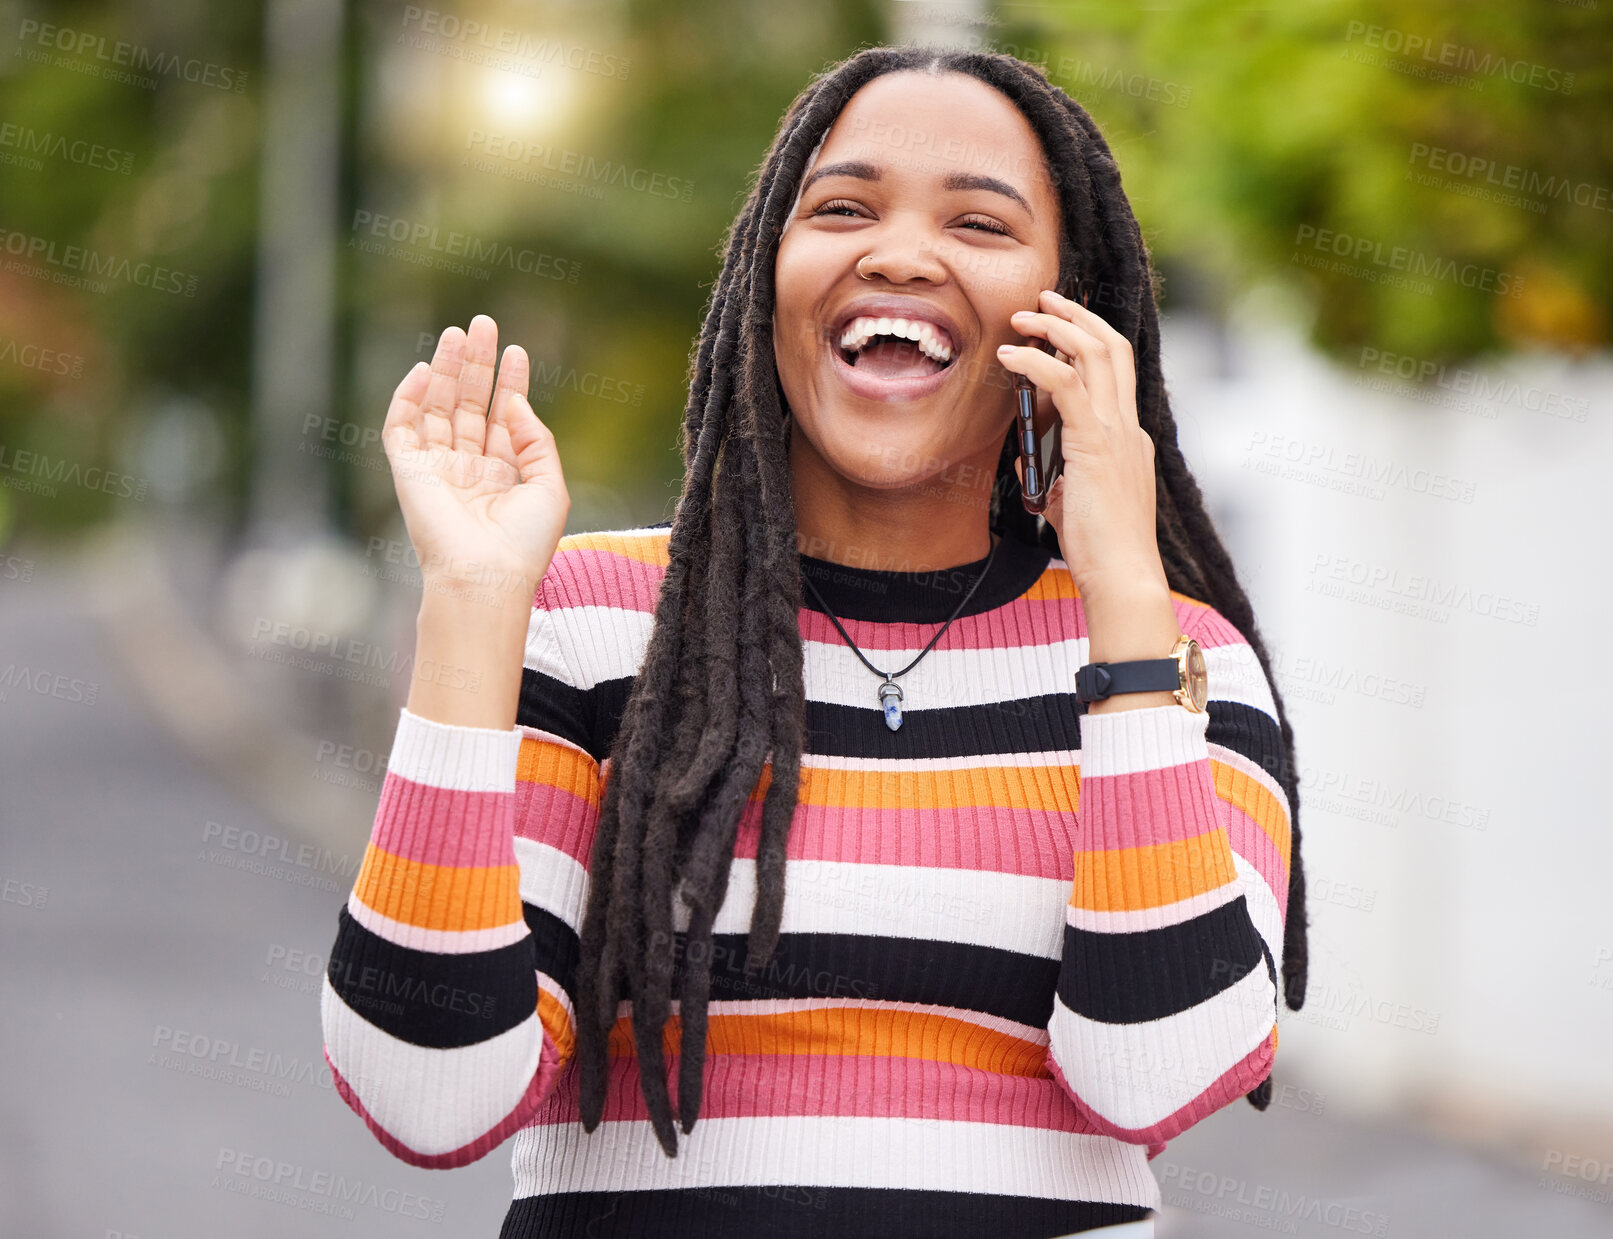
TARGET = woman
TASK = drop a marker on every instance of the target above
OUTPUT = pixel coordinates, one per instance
(803, 785)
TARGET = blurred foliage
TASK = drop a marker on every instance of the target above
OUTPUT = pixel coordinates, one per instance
(1245, 136)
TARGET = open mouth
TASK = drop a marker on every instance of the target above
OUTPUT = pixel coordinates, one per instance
(895, 348)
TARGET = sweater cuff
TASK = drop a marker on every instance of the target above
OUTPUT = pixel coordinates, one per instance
(1151, 738)
(454, 758)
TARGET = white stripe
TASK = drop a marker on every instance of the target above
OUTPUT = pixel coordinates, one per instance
(912, 1153)
(465, 759)
(1233, 673)
(439, 941)
(1143, 739)
(1009, 911)
(433, 1100)
(589, 645)
(1263, 908)
(1135, 1075)
(552, 880)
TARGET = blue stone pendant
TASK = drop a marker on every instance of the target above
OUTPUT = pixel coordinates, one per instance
(890, 696)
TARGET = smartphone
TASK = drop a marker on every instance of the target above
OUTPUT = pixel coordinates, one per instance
(1041, 452)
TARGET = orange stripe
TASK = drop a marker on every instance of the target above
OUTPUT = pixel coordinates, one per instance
(854, 1030)
(1053, 788)
(560, 766)
(1243, 791)
(1152, 875)
(647, 549)
(557, 1024)
(439, 896)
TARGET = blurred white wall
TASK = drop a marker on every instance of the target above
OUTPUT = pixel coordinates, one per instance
(1449, 711)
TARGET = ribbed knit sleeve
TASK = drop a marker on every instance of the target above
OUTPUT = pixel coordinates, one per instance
(446, 1010)
(1166, 1004)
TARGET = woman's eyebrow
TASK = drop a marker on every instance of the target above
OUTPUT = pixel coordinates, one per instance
(865, 171)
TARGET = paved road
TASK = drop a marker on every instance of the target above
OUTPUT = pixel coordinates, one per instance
(153, 961)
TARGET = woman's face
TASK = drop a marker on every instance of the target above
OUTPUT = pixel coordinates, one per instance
(939, 188)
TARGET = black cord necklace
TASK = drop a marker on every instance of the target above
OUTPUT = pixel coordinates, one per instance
(890, 693)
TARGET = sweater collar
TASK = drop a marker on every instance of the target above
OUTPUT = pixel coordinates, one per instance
(891, 596)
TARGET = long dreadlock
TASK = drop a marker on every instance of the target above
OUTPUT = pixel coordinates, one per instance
(720, 689)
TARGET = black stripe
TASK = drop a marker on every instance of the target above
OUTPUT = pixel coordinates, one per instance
(1044, 724)
(1049, 723)
(801, 1212)
(557, 708)
(1126, 978)
(886, 596)
(427, 999)
(555, 946)
(1007, 984)
(1250, 732)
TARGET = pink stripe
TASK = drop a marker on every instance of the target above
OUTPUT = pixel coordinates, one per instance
(552, 815)
(837, 1086)
(1231, 1085)
(1032, 843)
(594, 578)
(1149, 807)
(1256, 846)
(542, 1086)
(436, 826)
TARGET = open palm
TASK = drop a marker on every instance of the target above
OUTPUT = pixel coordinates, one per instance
(477, 474)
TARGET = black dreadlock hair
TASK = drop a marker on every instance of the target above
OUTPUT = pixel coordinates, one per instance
(720, 689)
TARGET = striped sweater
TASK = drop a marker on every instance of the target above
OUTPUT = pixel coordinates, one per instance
(1022, 946)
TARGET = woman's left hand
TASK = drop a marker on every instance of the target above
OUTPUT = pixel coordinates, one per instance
(1103, 503)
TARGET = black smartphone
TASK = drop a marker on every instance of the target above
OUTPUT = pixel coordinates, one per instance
(1041, 453)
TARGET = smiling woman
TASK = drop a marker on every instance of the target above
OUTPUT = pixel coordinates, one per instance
(931, 862)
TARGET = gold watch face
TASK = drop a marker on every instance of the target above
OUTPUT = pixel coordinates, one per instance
(1198, 680)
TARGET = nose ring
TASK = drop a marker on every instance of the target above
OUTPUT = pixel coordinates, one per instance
(860, 262)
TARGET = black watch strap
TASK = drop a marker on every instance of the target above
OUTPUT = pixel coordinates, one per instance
(1095, 681)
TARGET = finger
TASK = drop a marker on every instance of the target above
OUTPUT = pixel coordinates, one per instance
(513, 373)
(1089, 354)
(402, 426)
(535, 452)
(443, 389)
(1122, 356)
(1048, 373)
(475, 385)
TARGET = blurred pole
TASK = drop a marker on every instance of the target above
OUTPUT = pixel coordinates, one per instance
(939, 23)
(295, 319)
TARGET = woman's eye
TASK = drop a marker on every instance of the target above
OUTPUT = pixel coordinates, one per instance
(989, 225)
(836, 207)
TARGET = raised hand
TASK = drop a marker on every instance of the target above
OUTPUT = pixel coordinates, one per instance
(477, 474)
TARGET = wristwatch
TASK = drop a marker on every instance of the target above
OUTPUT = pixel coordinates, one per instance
(1182, 674)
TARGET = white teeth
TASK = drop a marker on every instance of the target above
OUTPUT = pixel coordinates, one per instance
(931, 339)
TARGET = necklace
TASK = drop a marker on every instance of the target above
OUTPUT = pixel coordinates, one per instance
(890, 693)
